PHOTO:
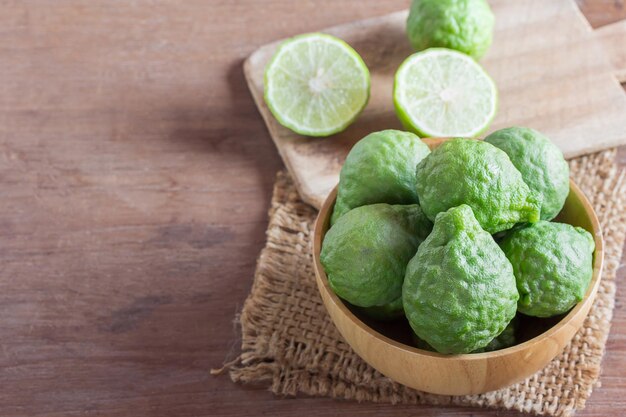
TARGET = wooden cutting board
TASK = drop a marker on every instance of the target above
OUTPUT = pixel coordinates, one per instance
(553, 71)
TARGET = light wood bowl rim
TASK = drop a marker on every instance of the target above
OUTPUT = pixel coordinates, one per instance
(324, 216)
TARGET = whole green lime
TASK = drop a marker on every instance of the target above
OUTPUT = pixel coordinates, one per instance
(464, 25)
(380, 168)
(476, 173)
(552, 264)
(387, 312)
(541, 164)
(366, 252)
(459, 289)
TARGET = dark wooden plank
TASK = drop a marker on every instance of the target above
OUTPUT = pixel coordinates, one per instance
(136, 174)
(602, 12)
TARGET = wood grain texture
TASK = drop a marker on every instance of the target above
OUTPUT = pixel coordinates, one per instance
(460, 374)
(136, 173)
(551, 70)
(613, 38)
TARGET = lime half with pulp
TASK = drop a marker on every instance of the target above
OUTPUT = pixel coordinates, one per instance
(316, 84)
(444, 93)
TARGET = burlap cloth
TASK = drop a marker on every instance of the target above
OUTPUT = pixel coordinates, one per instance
(290, 343)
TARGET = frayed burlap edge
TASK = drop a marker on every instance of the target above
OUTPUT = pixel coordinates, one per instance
(290, 343)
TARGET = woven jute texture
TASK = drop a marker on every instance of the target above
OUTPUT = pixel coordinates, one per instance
(290, 343)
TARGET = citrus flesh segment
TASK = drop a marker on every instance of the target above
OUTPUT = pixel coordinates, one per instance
(316, 84)
(444, 93)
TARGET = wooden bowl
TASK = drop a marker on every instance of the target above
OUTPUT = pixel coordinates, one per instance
(387, 347)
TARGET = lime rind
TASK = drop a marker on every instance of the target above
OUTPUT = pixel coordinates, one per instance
(479, 91)
(462, 25)
(334, 108)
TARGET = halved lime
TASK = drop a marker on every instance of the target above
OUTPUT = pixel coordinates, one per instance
(444, 93)
(316, 84)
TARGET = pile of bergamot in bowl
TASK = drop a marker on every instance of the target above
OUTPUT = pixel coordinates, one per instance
(458, 240)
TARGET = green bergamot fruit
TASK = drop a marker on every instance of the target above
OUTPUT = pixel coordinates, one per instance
(459, 290)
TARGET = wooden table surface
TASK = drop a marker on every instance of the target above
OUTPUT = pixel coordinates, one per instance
(135, 175)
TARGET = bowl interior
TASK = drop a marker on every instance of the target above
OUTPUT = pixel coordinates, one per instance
(577, 211)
